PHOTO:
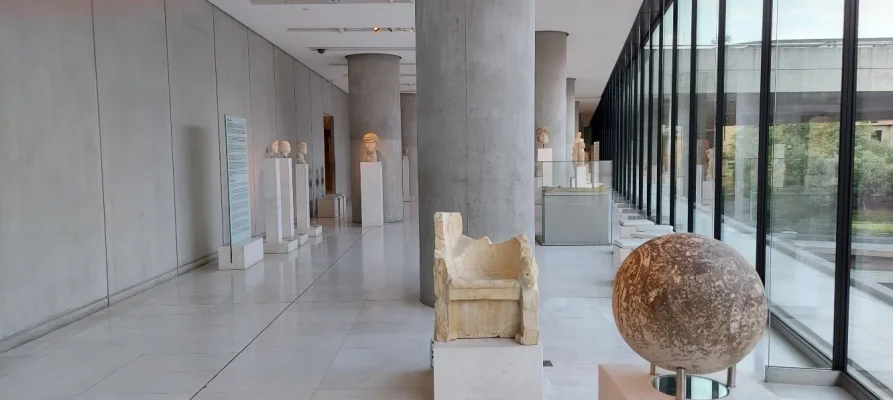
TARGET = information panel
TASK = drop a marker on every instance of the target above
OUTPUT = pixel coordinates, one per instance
(237, 174)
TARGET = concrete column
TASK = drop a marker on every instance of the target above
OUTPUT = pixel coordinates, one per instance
(409, 128)
(571, 116)
(374, 102)
(475, 66)
(551, 95)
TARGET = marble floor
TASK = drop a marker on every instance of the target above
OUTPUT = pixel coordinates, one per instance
(338, 319)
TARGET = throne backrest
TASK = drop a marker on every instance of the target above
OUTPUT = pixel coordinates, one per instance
(474, 259)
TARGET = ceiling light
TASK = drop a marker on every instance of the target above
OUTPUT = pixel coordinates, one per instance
(376, 29)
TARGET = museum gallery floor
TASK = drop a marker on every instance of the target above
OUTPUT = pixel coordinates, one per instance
(337, 319)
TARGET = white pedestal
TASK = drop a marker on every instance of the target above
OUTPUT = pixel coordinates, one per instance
(699, 173)
(287, 194)
(407, 195)
(372, 194)
(487, 369)
(302, 202)
(241, 255)
(632, 382)
(622, 248)
(327, 207)
(627, 227)
(342, 204)
(545, 156)
(271, 185)
(582, 177)
(708, 192)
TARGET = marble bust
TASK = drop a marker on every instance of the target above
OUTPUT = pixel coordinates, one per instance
(579, 150)
(273, 149)
(370, 143)
(301, 153)
(284, 148)
(405, 152)
(543, 136)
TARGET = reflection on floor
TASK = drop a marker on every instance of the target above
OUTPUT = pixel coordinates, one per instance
(338, 319)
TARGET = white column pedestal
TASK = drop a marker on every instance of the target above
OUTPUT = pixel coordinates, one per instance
(582, 177)
(287, 193)
(633, 382)
(487, 369)
(302, 202)
(708, 192)
(545, 156)
(372, 194)
(241, 255)
(407, 194)
(271, 182)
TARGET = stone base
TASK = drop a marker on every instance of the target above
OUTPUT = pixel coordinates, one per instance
(633, 382)
(244, 254)
(372, 205)
(487, 369)
(622, 248)
(408, 199)
(313, 231)
(627, 227)
(286, 246)
(327, 207)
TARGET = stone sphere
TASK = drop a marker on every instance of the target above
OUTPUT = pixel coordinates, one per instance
(689, 301)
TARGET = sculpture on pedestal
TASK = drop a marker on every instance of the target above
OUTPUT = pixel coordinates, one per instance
(370, 143)
(579, 150)
(405, 152)
(711, 166)
(543, 136)
(300, 155)
(481, 289)
(689, 304)
(284, 148)
(273, 149)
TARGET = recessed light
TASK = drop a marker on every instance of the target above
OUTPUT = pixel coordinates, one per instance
(376, 29)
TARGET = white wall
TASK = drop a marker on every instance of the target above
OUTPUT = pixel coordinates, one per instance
(110, 168)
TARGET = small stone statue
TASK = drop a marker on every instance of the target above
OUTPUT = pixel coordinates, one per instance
(579, 150)
(543, 136)
(370, 142)
(284, 148)
(301, 153)
(405, 152)
(710, 165)
(273, 149)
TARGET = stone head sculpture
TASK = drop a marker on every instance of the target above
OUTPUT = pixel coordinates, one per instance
(370, 143)
(273, 149)
(543, 136)
(405, 152)
(284, 148)
(301, 153)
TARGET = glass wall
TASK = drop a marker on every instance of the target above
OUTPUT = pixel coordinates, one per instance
(778, 129)
(871, 314)
(705, 126)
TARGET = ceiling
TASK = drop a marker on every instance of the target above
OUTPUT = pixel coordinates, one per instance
(597, 30)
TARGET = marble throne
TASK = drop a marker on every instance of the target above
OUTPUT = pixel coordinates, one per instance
(482, 289)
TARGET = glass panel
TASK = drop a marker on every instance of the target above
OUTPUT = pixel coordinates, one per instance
(871, 297)
(643, 133)
(667, 104)
(708, 23)
(740, 133)
(683, 81)
(655, 124)
(803, 152)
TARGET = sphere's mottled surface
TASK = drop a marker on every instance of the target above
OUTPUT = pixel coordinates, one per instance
(689, 301)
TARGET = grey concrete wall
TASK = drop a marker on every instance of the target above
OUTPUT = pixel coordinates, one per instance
(233, 89)
(135, 124)
(52, 243)
(342, 144)
(375, 99)
(262, 123)
(571, 128)
(475, 65)
(551, 92)
(110, 172)
(196, 142)
(317, 146)
(409, 128)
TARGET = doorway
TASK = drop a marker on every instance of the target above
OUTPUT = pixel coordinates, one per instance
(329, 138)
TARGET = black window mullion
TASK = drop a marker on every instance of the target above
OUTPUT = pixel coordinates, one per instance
(650, 132)
(660, 109)
(642, 118)
(674, 112)
(763, 140)
(719, 126)
(693, 118)
(843, 258)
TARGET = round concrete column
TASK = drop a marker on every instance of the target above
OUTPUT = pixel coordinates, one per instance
(571, 116)
(374, 101)
(409, 128)
(551, 95)
(475, 67)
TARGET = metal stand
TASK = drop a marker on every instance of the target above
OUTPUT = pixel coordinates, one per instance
(680, 384)
(730, 376)
(653, 370)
